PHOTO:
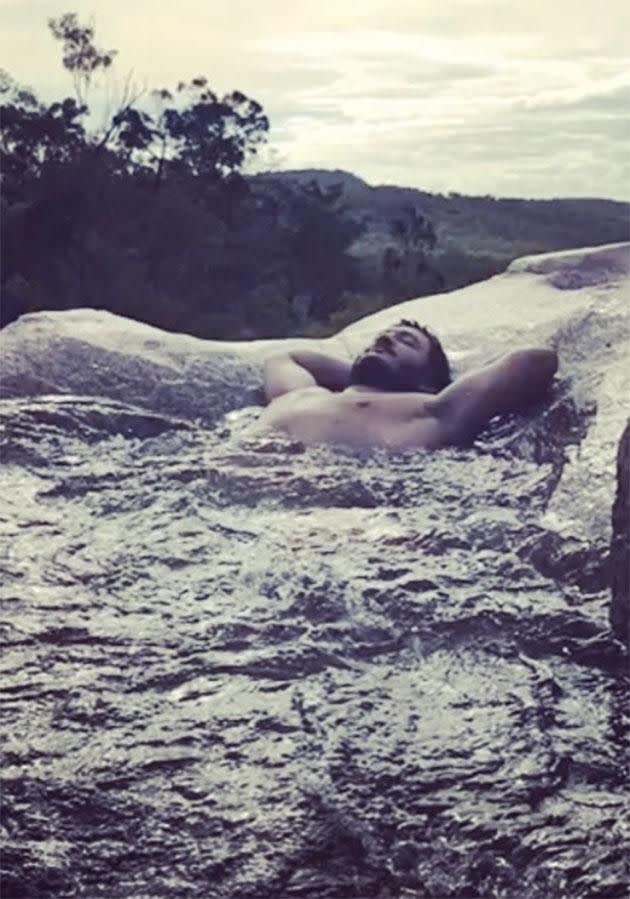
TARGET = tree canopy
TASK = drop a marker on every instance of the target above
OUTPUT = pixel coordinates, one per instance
(148, 214)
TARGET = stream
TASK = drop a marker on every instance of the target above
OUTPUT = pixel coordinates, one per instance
(241, 668)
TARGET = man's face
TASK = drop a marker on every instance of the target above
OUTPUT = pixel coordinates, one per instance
(394, 361)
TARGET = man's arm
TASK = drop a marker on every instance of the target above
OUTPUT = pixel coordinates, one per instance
(304, 368)
(520, 378)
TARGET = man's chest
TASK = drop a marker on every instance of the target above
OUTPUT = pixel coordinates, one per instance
(362, 419)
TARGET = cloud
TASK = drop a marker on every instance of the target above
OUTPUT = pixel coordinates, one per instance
(446, 121)
(498, 147)
(474, 95)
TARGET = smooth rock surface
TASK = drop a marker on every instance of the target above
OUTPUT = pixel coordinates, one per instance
(95, 353)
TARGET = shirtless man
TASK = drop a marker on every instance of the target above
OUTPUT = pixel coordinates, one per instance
(397, 393)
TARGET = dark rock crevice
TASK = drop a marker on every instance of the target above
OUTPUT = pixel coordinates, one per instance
(619, 559)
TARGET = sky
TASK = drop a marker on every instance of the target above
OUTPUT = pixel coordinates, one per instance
(518, 98)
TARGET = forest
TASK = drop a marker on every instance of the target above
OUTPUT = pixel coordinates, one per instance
(151, 215)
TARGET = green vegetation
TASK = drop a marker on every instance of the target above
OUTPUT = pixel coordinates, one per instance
(151, 216)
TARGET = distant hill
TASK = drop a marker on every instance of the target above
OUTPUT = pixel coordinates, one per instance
(495, 229)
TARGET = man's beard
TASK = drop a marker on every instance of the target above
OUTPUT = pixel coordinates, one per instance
(373, 370)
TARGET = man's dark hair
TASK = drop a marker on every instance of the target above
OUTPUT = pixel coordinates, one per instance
(438, 369)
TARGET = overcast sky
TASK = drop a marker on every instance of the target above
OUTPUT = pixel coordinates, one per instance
(497, 97)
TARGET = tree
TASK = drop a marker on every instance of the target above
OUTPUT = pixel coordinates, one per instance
(321, 233)
(80, 56)
(33, 136)
(210, 137)
(406, 264)
(193, 132)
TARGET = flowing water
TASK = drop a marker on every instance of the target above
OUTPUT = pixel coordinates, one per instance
(241, 668)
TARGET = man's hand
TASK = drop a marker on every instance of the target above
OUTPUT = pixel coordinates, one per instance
(515, 381)
(304, 368)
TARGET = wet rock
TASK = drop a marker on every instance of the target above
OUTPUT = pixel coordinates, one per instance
(576, 268)
(89, 419)
(94, 353)
(620, 545)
